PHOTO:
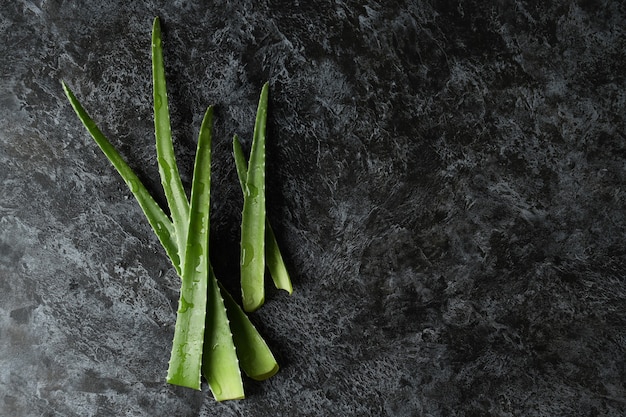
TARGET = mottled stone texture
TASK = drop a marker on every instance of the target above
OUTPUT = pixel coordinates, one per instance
(447, 180)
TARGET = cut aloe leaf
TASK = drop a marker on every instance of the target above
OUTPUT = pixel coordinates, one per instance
(186, 357)
(274, 261)
(273, 257)
(255, 357)
(168, 169)
(220, 364)
(159, 221)
(252, 256)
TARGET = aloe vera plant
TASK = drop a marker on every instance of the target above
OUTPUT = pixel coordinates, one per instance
(213, 336)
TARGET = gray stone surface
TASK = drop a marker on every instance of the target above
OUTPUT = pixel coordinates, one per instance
(447, 180)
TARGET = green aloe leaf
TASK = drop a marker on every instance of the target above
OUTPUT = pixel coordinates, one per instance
(255, 357)
(220, 362)
(252, 257)
(273, 257)
(186, 357)
(159, 221)
(168, 169)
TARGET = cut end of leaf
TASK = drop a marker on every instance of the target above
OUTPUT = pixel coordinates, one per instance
(281, 280)
(225, 395)
(176, 379)
(220, 399)
(252, 300)
(266, 375)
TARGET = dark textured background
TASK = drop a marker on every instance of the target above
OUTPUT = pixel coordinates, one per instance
(446, 178)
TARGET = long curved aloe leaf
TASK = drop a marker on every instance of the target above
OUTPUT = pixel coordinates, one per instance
(273, 257)
(168, 169)
(186, 358)
(252, 257)
(159, 221)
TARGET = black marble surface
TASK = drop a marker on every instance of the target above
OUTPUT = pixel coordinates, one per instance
(447, 180)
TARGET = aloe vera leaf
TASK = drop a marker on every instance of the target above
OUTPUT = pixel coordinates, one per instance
(168, 169)
(273, 257)
(220, 364)
(186, 357)
(159, 221)
(255, 357)
(252, 256)
(274, 261)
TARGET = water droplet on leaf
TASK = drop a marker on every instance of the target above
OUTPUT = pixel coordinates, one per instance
(252, 191)
(247, 254)
(165, 168)
(184, 305)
